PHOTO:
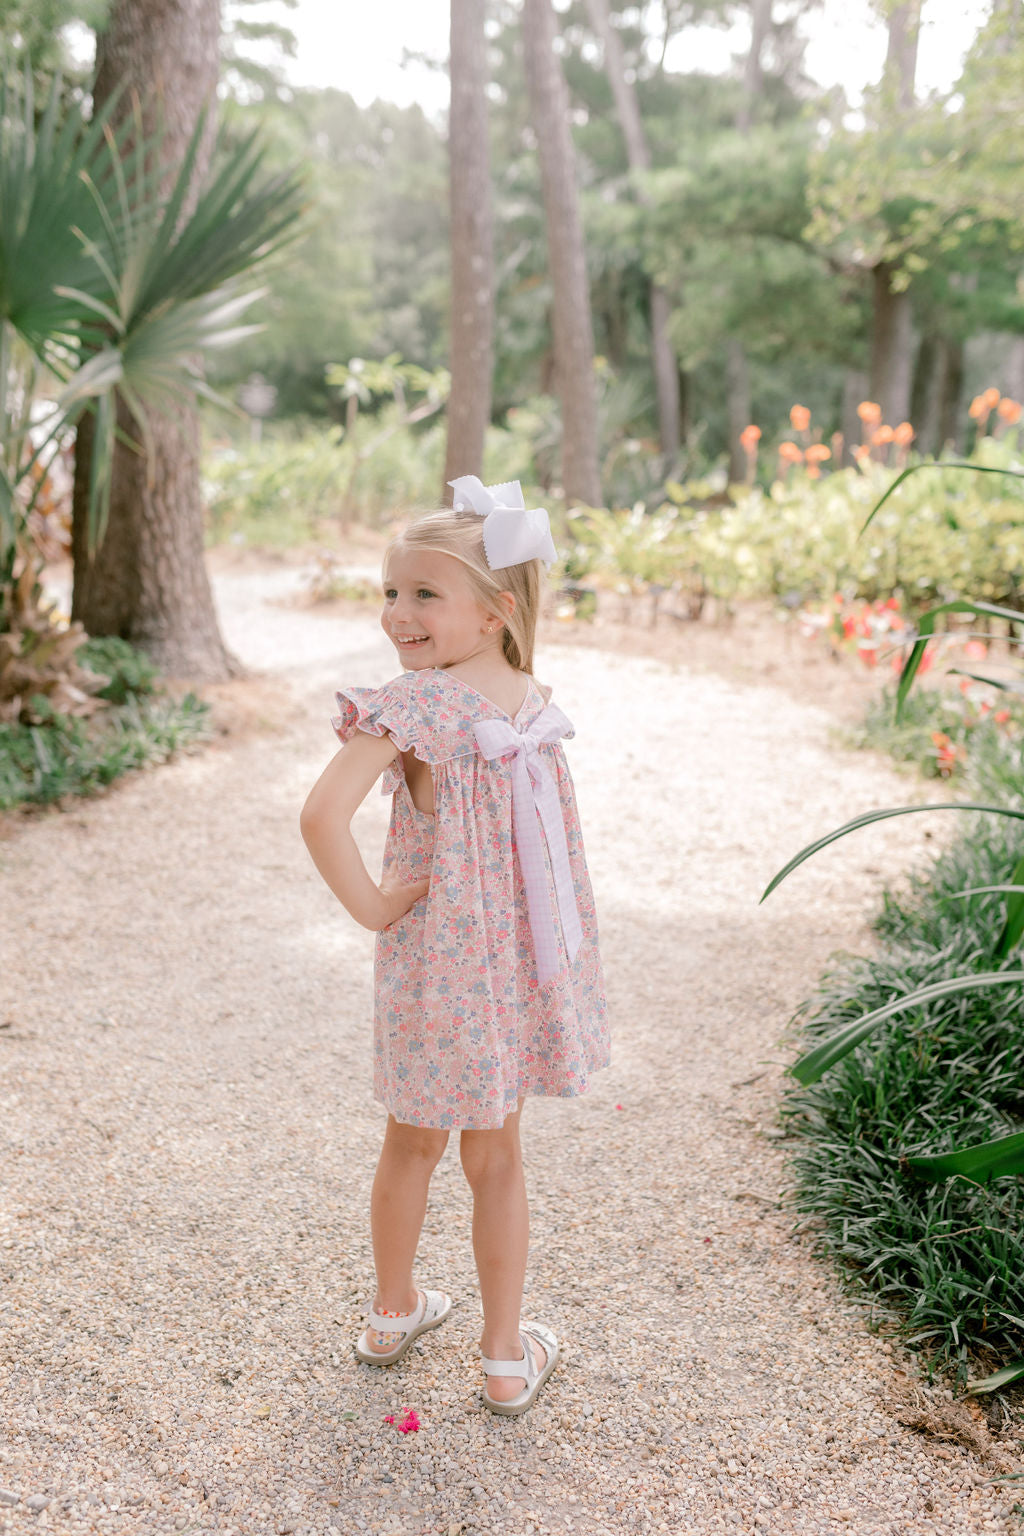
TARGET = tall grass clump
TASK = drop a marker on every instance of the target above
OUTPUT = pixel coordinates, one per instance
(943, 1261)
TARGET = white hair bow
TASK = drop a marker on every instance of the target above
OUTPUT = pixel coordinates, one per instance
(512, 533)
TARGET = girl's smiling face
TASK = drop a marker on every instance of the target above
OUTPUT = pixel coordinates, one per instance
(432, 615)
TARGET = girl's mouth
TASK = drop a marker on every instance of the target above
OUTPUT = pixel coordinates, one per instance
(404, 640)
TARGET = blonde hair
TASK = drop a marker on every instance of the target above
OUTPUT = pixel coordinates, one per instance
(460, 535)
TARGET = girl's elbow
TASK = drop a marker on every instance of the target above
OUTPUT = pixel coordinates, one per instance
(311, 821)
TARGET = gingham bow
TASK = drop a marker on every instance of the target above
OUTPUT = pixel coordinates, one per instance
(536, 807)
(512, 533)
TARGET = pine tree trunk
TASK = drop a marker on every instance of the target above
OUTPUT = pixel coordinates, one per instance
(855, 389)
(737, 366)
(663, 361)
(891, 346)
(901, 52)
(737, 380)
(753, 75)
(573, 335)
(1014, 385)
(951, 422)
(472, 247)
(147, 581)
(892, 314)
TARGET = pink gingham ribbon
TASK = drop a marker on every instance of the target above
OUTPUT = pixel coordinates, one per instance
(536, 808)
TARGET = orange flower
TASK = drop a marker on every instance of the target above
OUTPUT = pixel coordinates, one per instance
(817, 453)
(977, 408)
(800, 416)
(945, 752)
(750, 437)
(1009, 410)
(861, 452)
(903, 435)
(790, 453)
(881, 436)
(991, 397)
(869, 413)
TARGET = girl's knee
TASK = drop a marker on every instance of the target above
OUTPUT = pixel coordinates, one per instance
(490, 1154)
(418, 1143)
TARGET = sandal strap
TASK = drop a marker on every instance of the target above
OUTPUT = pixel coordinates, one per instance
(379, 1322)
(526, 1366)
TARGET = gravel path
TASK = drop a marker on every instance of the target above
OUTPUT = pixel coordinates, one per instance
(189, 1138)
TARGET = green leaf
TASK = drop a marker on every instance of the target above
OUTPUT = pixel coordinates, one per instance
(1012, 1372)
(985, 890)
(912, 469)
(1004, 684)
(926, 629)
(1013, 928)
(812, 1067)
(986, 1160)
(866, 820)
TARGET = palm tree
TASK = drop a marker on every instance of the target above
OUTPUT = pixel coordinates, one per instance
(157, 67)
(109, 291)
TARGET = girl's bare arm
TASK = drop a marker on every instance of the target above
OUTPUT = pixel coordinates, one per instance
(325, 824)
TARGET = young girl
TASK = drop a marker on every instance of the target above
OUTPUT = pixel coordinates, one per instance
(488, 978)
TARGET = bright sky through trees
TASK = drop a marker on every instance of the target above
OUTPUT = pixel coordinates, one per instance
(360, 49)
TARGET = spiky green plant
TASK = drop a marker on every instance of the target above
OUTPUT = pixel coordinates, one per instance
(112, 287)
(920, 999)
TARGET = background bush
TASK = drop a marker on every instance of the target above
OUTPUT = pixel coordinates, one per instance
(65, 755)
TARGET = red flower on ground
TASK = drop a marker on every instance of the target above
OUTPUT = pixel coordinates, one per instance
(408, 1424)
(1001, 716)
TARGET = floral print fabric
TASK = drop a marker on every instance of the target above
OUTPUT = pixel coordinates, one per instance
(462, 1030)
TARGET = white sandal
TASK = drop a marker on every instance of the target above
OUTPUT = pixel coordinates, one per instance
(433, 1307)
(535, 1376)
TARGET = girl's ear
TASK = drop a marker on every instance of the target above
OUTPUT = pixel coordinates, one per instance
(505, 605)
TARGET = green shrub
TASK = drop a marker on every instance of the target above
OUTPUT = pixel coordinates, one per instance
(945, 1260)
(284, 489)
(68, 755)
(129, 671)
(943, 733)
(943, 534)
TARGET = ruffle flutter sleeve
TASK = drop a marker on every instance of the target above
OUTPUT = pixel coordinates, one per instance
(378, 712)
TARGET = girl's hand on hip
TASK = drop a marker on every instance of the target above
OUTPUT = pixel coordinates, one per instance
(397, 898)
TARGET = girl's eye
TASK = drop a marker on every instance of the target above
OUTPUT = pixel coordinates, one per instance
(424, 592)
(390, 594)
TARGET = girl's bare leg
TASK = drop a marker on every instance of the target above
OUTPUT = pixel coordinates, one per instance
(493, 1165)
(397, 1206)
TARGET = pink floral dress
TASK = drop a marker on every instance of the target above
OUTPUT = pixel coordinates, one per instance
(464, 1026)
